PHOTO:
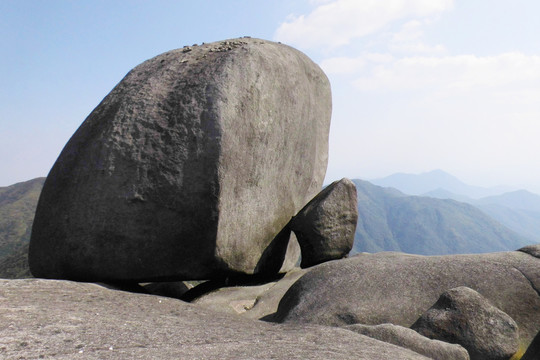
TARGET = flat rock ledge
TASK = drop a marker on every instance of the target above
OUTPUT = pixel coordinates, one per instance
(69, 320)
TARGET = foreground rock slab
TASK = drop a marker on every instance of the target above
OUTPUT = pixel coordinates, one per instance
(67, 320)
(410, 339)
(325, 226)
(397, 288)
(465, 317)
(188, 169)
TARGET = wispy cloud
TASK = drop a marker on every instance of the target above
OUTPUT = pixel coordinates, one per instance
(452, 73)
(410, 39)
(336, 23)
(405, 94)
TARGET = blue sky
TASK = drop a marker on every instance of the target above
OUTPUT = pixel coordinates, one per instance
(417, 84)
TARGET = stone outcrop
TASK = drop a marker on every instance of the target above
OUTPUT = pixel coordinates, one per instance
(253, 301)
(463, 316)
(54, 319)
(325, 226)
(397, 288)
(188, 169)
(410, 339)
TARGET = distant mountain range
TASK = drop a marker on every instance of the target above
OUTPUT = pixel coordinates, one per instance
(518, 210)
(433, 181)
(391, 220)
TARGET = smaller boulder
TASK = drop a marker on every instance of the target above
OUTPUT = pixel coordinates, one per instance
(463, 316)
(533, 351)
(325, 226)
(410, 339)
(533, 250)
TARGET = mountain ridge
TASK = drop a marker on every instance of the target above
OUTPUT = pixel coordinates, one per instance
(418, 184)
(427, 226)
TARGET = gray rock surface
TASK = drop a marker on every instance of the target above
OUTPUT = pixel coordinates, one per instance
(463, 316)
(533, 351)
(251, 301)
(65, 320)
(325, 226)
(398, 288)
(188, 169)
(410, 339)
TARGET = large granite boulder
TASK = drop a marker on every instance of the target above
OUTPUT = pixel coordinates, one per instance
(325, 226)
(397, 288)
(54, 319)
(410, 339)
(189, 168)
(463, 316)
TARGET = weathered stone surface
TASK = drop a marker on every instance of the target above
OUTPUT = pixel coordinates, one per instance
(188, 169)
(533, 352)
(410, 339)
(251, 301)
(65, 320)
(463, 316)
(325, 226)
(397, 288)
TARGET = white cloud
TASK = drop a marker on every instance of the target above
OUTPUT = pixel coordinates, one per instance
(454, 73)
(352, 65)
(342, 65)
(417, 104)
(336, 23)
(410, 40)
(466, 114)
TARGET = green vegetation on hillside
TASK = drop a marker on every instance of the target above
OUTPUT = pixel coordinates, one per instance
(15, 265)
(391, 221)
(17, 206)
